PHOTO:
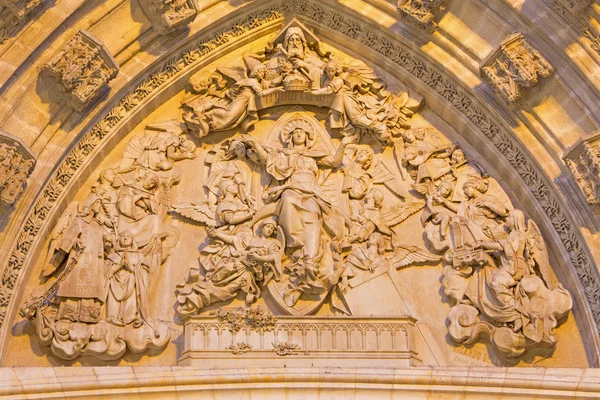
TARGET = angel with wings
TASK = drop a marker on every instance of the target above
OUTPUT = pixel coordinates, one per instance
(376, 253)
(243, 263)
(362, 172)
(361, 102)
(229, 199)
(372, 217)
(236, 107)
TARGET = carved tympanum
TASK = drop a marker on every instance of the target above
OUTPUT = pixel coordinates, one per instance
(16, 163)
(14, 14)
(307, 213)
(514, 69)
(169, 15)
(82, 70)
(421, 13)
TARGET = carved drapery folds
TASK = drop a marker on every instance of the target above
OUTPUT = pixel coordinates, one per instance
(13, 14)
(514, 69)
(82, 70)
(106, 252)
(16, 163)
(421, 13)
(583, 160)
(167, 16)
(306, 212)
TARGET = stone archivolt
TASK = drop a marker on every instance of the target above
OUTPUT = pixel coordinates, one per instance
(82, 70)
(14, 14)
(309, 217)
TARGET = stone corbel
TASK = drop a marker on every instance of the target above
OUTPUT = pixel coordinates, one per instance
(16, 164)
(82, 70)
(583, 160)
(14, 14)
(168, 16)
(514, 69)
(421, 13)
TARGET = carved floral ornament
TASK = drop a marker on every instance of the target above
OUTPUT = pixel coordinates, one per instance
(305, 214)
(16, 164)
(168, 16)
(421, 13)
(514, 69)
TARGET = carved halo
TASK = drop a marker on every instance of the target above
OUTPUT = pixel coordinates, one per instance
(298, 123)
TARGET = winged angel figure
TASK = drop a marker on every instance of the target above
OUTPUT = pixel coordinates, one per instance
(227, 98)
(362, 105)
(229, 201)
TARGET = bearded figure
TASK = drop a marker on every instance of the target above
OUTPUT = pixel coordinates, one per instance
(296, 59)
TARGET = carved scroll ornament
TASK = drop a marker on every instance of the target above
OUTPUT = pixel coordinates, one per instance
(273, 237)
(82, 70)
(168, 16)
(14, 14)
(421, 13)
(514, 69)
(16, 163)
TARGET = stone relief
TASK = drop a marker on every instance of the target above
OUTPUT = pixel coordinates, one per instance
(583, 160)
(82, 70)
(105, 254)
(514, 69)
(421, 13)
(16, 163)
(168, 16)
(257, 249)
(14, 14)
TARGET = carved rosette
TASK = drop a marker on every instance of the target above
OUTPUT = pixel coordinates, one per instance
(13, 14)
(16, 163)
(514, 69)
(421, 13)
(583, 160)
(82, 69)
(168, 16)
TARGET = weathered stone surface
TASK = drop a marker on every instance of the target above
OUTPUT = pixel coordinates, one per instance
(16, 164)
(82, 70)
(168, 16)
(514, 69)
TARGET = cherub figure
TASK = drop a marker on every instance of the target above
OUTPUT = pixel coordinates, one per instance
(250, 260)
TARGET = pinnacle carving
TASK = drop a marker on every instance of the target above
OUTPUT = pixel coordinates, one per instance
(13, 15)
(514, 69)
(168, 16)
(421, 13)
(82, 69)
(16, 163)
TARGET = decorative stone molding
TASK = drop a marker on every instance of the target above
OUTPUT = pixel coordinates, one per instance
(421, 13)
(575, 7)
(13, 14)
(325, 341)
(514, 69)
(378, 42)
(168, 16)
(82, 69)
(16, 163)
(583, 160)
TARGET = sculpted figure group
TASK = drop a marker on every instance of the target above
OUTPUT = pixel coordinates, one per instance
(302, 215)
(105, 253)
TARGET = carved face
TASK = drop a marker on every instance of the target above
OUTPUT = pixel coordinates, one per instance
(240, 150)
(458, 156)
(295, 47)
(126, 239)
(330, 70)
(299, 136)
(267, 230)
(150, 184)
(260, 74)
(444, 190)
(363, 156)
